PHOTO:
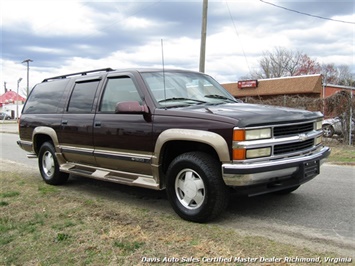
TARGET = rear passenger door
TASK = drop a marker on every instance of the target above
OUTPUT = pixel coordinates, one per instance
(122, 142)
(76, 134)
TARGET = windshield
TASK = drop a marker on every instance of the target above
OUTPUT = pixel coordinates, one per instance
(185, 88)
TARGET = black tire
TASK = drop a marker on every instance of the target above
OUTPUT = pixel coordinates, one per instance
(328, 131)
(49, 167)
(286, 191)
(199, 175)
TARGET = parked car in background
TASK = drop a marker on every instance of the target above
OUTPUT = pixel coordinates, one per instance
(334, 126)
(4, 116)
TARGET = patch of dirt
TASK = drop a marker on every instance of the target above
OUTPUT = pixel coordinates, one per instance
(301, 237)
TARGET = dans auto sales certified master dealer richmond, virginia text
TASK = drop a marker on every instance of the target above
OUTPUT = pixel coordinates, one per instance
(246, 260)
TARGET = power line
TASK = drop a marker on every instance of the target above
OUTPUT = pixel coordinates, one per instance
(307, 14)
(235, 28)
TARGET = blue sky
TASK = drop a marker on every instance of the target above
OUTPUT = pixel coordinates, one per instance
(69, 36)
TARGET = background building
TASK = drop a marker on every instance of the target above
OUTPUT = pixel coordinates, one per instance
(303, 92)
(11, 103)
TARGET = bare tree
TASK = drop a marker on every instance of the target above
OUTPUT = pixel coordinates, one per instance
(330, 73)
(345, 76)
(307, 66)
(282, 62)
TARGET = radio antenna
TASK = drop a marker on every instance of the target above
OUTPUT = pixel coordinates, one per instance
(162, 59)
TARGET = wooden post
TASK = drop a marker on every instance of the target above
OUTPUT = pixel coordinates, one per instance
(203, 36)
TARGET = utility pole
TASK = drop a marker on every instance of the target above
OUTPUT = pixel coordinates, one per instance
(351, 116)
(28, 73)
(203, 36)
(17, 96)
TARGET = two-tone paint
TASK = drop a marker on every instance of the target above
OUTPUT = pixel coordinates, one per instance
(136, 148)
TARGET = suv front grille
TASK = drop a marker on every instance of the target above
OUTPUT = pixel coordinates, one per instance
(293, 129)
(286, 140)
(293, 147)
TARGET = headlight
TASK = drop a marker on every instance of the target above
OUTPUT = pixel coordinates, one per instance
(251, 134)
(318, 125)
(264, 133)
(242, 154)
(256, 153)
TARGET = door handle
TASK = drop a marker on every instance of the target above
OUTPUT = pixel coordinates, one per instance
(64, 122)
(97, 124)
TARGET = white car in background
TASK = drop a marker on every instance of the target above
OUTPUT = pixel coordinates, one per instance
(4, 116)
(334, 126)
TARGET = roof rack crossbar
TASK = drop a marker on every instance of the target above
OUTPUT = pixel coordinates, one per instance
(84, 73)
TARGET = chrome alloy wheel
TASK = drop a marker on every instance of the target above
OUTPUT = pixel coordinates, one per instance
(48, 164)
(328, 131)
(190, 189)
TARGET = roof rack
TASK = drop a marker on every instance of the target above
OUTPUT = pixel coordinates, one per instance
(84, 73)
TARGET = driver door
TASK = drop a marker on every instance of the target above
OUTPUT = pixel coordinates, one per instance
(122, 142)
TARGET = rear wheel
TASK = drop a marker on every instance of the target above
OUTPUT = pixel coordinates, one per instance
(195, 187)
(49, 167)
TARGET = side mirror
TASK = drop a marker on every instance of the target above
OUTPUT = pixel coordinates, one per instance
(132, 107)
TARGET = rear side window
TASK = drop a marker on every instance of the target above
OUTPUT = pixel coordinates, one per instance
(82, 98)
(46, 97)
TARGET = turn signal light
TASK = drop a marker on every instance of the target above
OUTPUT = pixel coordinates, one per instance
(239, 154)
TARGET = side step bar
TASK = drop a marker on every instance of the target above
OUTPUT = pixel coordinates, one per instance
(132, 179)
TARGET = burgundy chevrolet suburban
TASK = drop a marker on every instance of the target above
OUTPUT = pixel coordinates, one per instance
(175, 130)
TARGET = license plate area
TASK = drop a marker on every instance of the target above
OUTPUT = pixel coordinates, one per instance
(311, 169)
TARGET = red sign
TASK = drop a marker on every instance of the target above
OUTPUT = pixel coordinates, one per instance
(247, 84)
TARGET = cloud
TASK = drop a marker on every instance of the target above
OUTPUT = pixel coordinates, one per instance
(70, 36)
(325, 8)
(49, 18)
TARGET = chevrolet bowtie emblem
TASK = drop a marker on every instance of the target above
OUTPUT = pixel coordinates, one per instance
(303, 137)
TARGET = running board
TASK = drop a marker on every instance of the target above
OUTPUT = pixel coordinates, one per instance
(120, 177)
(31, 155)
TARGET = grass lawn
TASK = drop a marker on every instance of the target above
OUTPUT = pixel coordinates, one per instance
(46, 225)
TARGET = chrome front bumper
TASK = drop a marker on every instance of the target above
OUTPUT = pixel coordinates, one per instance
(301, 168)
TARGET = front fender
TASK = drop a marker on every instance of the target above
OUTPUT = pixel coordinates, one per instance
(210, 138)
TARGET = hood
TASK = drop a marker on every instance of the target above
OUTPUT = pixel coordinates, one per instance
(254, 114)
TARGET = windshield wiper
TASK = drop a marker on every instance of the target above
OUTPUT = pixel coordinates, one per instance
(180, 99)
(217, 96)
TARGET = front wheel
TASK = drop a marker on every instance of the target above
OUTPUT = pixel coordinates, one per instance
(328, 131)
(195, 187)
(49, 167)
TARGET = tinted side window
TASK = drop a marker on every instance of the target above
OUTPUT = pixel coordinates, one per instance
(118, 90)
(82, 97)
(45, 98)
